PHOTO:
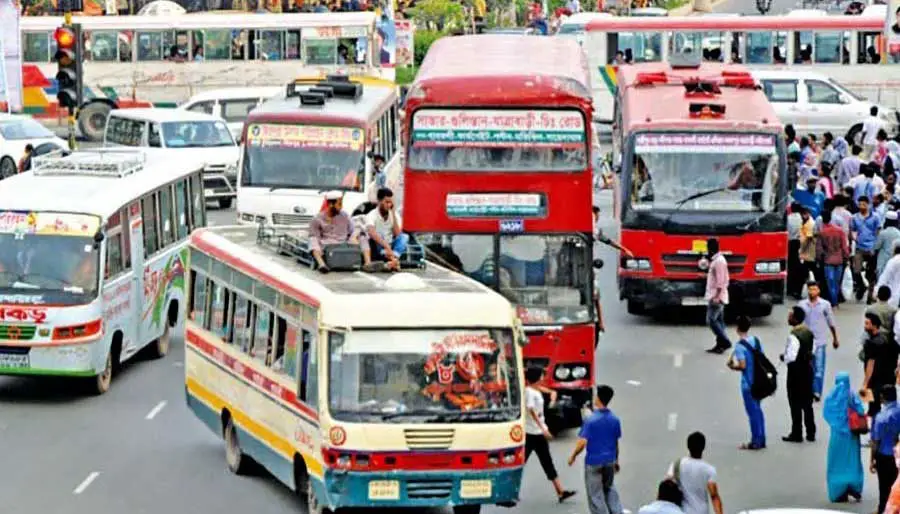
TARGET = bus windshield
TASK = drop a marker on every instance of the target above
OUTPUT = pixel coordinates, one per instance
(508, 140)
(423, 376)
(704, 172)
(60, 269)
(304, 157)
(547, 277)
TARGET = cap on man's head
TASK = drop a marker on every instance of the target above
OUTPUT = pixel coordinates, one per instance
(333, 195)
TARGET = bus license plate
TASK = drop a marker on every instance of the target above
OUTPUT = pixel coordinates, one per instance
(693, 301)
(470, 489)
(384, 490)
(699, 246)
(14, 360)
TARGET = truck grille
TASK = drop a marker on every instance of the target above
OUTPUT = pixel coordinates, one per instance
(429, 488)
(428, 439)
(17, 332)
(687, 263)
(281, 218)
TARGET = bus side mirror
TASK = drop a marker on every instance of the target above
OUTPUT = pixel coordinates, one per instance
(598, 263)
(99, 237)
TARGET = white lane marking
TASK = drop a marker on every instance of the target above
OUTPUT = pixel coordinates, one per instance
(673, 421)
(86, 483)
(633, 382)
(159, 406)
(679, 360)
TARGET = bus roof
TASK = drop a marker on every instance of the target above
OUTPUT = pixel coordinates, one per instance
(356, 299)
(197, 21)
(489, 69)
(163, 115)
(336, 111)
(738, 23)
(658, 106)
(92, 194)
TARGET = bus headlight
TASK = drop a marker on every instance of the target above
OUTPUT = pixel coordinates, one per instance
(579, 372)
(562, 372)
(768, 267)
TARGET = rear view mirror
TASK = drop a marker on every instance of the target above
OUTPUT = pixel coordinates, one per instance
(598, 263)
(99, 237)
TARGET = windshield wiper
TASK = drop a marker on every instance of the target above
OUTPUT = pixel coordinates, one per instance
(433, 415)
(680, 203)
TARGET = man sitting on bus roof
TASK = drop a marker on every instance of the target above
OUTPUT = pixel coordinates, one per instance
(331, 226)
(386, 240)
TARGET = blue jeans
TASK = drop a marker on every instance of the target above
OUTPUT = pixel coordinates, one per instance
(833, 275)
(399, 246)
(819, 373)
(715, 318)
(757, 421)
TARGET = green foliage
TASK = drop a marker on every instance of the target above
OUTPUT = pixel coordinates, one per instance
(437, 14)
(423, 41)
(406, 75)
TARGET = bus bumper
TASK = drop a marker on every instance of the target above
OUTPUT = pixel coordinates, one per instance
(77, 360)
(423, 489)
(653, 293)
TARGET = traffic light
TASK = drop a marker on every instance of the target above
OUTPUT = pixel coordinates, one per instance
(68, 59)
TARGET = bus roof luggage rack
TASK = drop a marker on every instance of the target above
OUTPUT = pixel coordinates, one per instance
(294, 242)
(106, 162)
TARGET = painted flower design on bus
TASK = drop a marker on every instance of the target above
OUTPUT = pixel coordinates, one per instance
(158, 286)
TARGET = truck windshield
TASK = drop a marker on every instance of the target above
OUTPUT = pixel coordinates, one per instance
(304, 157)
(423, 376)
(691, 176)
(508, 140)
(54, 269)
(547, 277)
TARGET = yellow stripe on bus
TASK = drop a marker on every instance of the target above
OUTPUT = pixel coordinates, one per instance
(273, 440)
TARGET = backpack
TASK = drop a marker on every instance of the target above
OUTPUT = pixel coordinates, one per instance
(765, 376)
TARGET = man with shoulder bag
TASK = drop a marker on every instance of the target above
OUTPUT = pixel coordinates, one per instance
(696, 478)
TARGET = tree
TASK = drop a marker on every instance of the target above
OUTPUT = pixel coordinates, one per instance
(437, 14)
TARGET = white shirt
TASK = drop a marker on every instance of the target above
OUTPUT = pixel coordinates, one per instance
(897, 328)
(534, 400)
(876, 181)
(891, 277)
(383, 227)
(791, 349)
(870, 129)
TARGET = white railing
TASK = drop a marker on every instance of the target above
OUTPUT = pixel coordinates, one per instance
(113, 163)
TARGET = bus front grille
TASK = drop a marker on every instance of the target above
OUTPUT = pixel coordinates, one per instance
(280, 218)
(429, 488)
(428, 439)
(17, 332)
(690, 263)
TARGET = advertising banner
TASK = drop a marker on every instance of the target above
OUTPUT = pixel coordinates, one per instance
(494, 205)
(306, 136)
(694, 142)
(498, 128)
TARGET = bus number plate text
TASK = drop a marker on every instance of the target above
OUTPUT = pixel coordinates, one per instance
(470, 489)
(14, 360)
(384, 490)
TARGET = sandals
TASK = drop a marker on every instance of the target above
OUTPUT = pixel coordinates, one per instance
(751, 446)
(566, 495)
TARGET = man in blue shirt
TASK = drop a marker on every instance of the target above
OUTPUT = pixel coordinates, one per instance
(600, 435)
(742, 360)
(864, 227)
(885, 429)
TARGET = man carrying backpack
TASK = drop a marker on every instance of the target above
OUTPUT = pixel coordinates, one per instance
(696, 478)
(754, 367)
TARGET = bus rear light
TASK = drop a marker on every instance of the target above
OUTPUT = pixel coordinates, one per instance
(650, 79)
(343, 460)
(78, 331)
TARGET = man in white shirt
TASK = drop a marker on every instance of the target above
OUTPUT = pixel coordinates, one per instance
(537, 434)
(697, 478)
(870, 130)
(386, 240)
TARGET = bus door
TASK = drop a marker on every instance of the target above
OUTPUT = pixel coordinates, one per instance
(136, 243)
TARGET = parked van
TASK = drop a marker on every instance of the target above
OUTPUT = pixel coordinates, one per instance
(814, 103)
(231, 104)
(199, 136)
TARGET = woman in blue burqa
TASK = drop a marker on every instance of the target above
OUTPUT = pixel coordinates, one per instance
(844, 471)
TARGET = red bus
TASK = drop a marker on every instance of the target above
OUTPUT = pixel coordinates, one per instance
(498, 186)
(701, 156)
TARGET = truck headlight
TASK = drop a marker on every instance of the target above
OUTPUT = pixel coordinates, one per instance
(637, 264)
(562, 372)
(579, 372)
(231, 170)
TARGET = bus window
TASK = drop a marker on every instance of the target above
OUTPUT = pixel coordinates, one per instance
(803, 43)
(758, 49)
(36, 47)
(175, 45)
(321, 51)
(292, 50)
(149, 214)
(198, 215)
(270, 45)
(216, 45)
(126, 49)
(114, 255)
(868, 44)
(218, 311)
(165, 217)
(262, 335)
(243, 327)
(639, 47)
(181, 203)
(104, 46)
(149, 46)
(309, 360)
(355, 52)
(286, 363)
(126, 238)
(830, 47)
(199, 296)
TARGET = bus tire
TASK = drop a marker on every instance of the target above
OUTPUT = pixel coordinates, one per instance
(101, 383)
(635, 308)
(225, 203)
(92, 120)
(466, 509)
(8, 167)
(160, 346)
(237, 462)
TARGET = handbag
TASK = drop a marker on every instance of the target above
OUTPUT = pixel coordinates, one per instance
(859, 423)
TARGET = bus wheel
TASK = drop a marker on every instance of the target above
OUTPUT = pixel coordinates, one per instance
(466, 509)
(238, 463)
(8, 168)
(161, 346)
(225, 203)
(92, 120)
(100, 383)
(635, 308)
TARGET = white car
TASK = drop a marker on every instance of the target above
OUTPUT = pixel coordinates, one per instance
(231, 104)
(17, 132)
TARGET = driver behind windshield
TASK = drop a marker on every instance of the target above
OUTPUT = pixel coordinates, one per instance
(38, 262)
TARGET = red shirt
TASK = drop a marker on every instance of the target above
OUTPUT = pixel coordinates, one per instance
(832, 246)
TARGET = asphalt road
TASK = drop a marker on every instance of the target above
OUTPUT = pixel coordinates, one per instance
(138, 449)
